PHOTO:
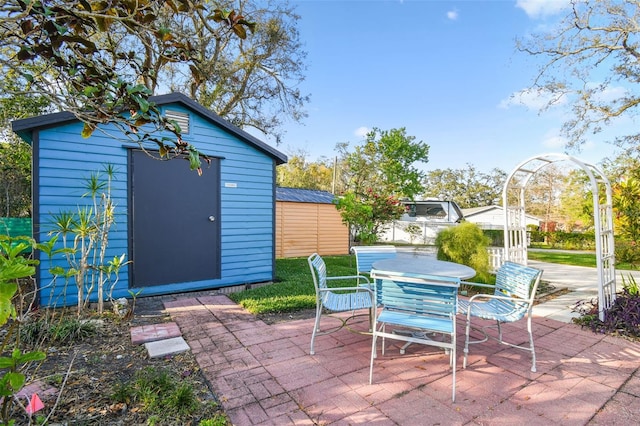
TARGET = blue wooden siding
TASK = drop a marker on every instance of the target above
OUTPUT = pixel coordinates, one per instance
(64, 159)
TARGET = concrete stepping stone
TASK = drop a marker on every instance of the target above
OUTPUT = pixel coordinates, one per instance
(151, 333)
(165, 347)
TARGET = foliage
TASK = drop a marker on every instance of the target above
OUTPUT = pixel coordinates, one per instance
(297, 172)
(85, 237)
(15, 179)
(496, 237)
(14, 268)
(466, 244)
(368, 215)
(414, 231)
(251, 82)
(160, 392)
(565, 240)
(375, 175)
(591, 52)
(627, 252)
(543, 194)
(62, 331)
(626, 203)
(467, 187)
(622, 318)
(576, 201)
(101, 58)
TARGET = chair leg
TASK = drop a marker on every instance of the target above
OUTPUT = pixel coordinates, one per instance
(466, 341)
(453, 386)
(316, 328)
(373, 355)
(533, 351)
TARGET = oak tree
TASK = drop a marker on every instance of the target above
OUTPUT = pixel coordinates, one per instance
(590, 60)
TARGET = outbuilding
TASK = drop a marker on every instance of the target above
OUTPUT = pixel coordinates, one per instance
(180, 231)
(308, 222)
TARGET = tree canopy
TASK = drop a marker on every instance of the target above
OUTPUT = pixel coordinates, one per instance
(298, 172)
(590, 61)
(103, 60)
(467, 187)
(376, 175)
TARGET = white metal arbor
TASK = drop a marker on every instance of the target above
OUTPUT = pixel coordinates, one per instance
(515, 232)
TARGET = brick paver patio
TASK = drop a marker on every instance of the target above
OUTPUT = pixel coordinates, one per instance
(264, 375)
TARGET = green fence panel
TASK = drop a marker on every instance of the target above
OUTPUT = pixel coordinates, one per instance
(15, 226)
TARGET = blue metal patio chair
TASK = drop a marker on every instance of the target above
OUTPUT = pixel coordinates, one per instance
(512, 300)
(366, 256)
(337, 299)
(425, 304)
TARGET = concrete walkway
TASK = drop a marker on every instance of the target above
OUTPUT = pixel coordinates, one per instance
(263, 374)
(582, 283)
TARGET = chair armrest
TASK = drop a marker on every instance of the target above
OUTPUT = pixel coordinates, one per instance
(477, 284)
(496, 297)
(349, 277)
(360, 288)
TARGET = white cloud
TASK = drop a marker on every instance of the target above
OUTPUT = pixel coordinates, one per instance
(609, 93)
(361, 132)
(452, 15)
(552, 140)
(541, 8)
(535, 99)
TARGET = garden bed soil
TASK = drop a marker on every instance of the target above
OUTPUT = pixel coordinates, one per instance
(81, 377)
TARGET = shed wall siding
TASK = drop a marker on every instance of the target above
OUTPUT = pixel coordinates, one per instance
(247, 206)
(305, 228)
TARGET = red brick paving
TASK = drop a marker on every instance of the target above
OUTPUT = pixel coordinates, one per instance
(264, 375)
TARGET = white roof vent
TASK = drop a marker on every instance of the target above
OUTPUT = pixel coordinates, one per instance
(182, 118)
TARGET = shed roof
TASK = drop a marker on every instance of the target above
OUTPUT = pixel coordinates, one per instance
(25, 126)
(304, 195)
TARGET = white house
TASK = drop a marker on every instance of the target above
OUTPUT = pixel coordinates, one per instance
(492, 217)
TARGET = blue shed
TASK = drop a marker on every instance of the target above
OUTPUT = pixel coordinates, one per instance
(181, 232)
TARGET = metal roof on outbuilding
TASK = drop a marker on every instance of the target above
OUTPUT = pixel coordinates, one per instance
(304, 195)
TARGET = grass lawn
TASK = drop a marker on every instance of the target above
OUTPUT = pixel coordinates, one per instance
(293, 289)
(569, 258)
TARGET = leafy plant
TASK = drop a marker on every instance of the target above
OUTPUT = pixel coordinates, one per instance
(466, 244)
(85, 237)
(13, 268)
(366, 214)
(622, 318)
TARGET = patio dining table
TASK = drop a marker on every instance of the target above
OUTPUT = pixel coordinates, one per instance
(414, 265)
(417, 264)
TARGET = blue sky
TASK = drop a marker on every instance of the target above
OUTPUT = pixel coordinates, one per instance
(444, 70)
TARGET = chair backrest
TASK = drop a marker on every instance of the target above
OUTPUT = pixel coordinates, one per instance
(318, 271)
(431, 295)
(367, 255)
(515, 280)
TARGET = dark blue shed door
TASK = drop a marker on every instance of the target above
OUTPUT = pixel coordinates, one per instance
(174, 220)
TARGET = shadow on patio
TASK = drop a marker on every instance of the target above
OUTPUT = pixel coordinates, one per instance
(263, 374)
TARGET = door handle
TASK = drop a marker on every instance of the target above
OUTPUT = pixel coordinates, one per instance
(212, 218)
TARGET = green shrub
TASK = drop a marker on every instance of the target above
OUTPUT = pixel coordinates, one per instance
(627, 251)
(466, 244)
